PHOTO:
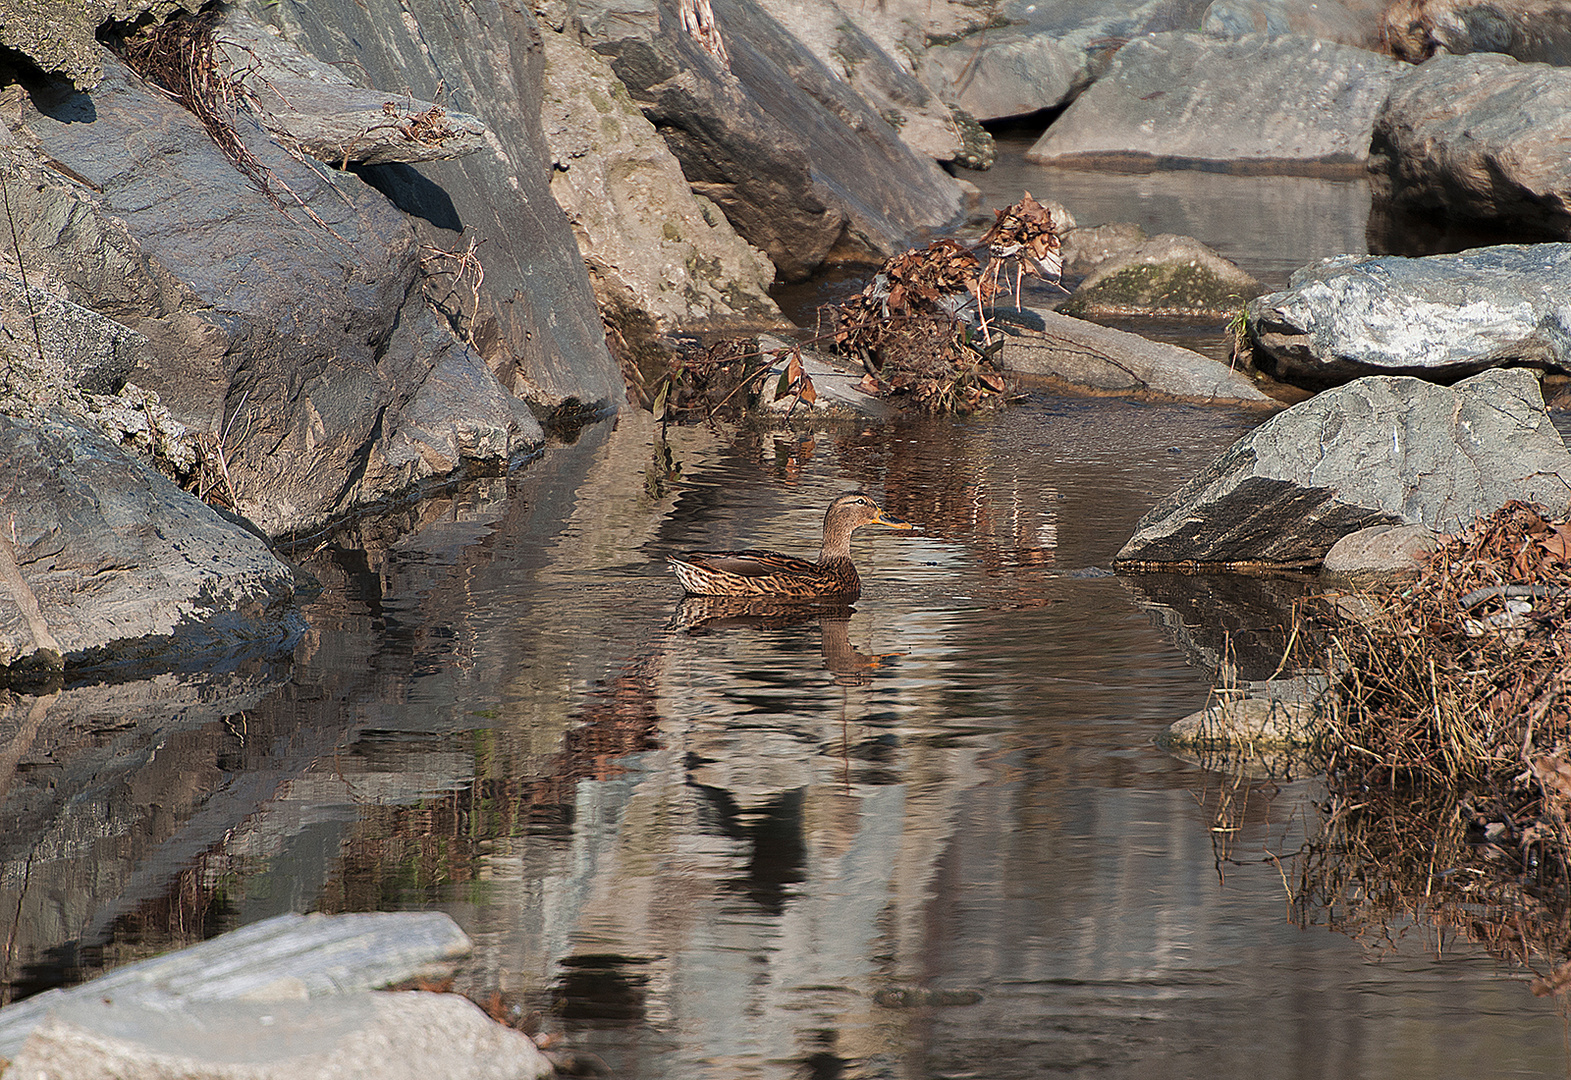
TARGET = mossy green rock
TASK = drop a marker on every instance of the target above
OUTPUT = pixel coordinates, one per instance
(1166, 275)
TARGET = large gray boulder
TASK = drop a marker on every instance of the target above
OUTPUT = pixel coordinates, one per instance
(1283, 104)
(287, 325)
(1440, 316)
(1531, 30)
(833, 34)
(1381, 450)
(105, 560)
(634, 216)
(534, 320)
(800, 164)
(1477, 138)
(1021, 56)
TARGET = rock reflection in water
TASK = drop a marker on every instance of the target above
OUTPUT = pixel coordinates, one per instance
(112, 796)
(1234, 627)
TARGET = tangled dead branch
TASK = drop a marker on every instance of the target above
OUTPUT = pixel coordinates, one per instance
(449, 279)
(724, 379)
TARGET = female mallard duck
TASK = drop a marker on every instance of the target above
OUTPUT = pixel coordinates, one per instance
(768, 573)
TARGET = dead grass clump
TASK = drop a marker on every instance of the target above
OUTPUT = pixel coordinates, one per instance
(906, 329)
(184, 58)
(1450, 769)
(1462, 677)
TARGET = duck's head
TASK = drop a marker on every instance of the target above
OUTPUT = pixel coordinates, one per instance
(855, 510)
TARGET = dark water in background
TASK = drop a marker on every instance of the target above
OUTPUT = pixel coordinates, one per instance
(929, 837)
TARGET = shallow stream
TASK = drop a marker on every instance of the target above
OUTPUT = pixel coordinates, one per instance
(932, 836)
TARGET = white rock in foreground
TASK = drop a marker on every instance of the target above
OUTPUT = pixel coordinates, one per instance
(366, 1036)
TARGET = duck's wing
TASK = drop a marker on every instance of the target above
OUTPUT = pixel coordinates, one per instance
(747, 563)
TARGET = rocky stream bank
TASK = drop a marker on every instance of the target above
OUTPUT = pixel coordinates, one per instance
(272, 267)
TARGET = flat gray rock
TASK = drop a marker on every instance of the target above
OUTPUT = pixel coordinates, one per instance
(1440, 316)
(1381, 450)
(1098, 359)
(1280, 104)
(834, 383)
(106, 560)
(1477, 138)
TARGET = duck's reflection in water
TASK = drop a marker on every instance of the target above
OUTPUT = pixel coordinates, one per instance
(849, 665)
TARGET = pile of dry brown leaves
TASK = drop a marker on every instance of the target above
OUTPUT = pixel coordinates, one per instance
(1025, 233)
(907, 329)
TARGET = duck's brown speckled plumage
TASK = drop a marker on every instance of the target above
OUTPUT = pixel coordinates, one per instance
(769, 573)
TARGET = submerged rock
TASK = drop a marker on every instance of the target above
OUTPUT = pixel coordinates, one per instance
(105, 560)
(1165, 275)
(1440, 316)
(1478, 139)
(1086, 248)
(1269, 715)
(1381, 450)
(1283, 104)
